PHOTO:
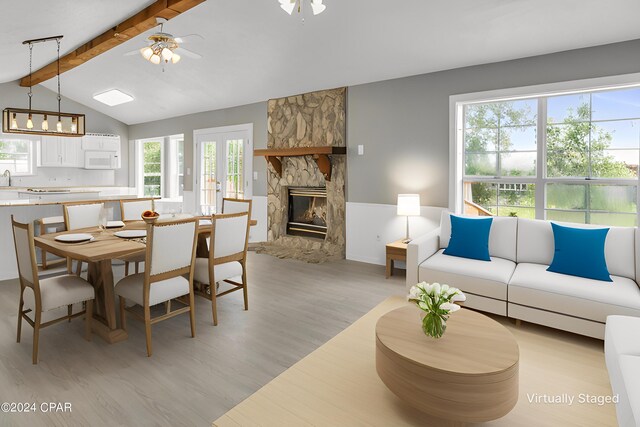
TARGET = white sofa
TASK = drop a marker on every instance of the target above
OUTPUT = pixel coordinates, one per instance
(516, 284)
(622, 354)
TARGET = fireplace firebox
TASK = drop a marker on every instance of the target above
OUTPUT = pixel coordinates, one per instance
(307, 214)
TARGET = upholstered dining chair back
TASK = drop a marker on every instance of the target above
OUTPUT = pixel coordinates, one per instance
(230, 234)
(132, 210)
(230, 206)
(82, 215)
(26, 253)
(171, 247)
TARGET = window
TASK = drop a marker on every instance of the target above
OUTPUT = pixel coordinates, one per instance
(161, 166)
(16, 155)
(564, 157)
(152, 167)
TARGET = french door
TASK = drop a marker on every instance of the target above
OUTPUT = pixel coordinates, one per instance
(224, 166)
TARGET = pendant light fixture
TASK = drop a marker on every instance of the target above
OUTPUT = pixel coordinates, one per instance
(36, 122)
(290, 5)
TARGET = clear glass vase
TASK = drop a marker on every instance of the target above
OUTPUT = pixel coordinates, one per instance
(433, 324)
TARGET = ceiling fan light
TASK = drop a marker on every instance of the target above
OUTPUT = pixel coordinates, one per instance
(166, 54)
(146, 52)
(155, 59)
(175, 58)
(288, 7)
(317, 7)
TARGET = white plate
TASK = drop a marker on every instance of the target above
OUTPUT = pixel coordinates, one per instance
(205, 222)
(74, 238)
(115, 224)
(131, 234)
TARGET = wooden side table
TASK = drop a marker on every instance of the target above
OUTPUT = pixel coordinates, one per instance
(396, 251)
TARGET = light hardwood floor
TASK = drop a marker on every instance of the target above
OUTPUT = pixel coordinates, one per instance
(294, 308)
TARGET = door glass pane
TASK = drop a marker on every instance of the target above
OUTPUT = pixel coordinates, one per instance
(234, 186)
(208, 178)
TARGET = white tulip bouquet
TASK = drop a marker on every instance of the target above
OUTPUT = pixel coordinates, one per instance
(438, 302)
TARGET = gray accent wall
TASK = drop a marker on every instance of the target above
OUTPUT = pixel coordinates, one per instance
(252, 113)
(403, 124)
(12, 95)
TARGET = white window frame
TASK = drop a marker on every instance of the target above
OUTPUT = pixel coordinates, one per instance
(32, 157)
(456, 134)
(140, 164)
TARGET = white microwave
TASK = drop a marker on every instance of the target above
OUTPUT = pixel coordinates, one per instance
(101, 160)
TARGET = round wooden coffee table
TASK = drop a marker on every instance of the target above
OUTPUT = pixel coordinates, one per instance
(468, 375)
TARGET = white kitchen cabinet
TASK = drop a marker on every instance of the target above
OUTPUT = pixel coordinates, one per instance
(57, 151)
(100, 142)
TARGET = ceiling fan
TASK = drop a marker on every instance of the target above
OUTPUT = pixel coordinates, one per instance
(163, 48)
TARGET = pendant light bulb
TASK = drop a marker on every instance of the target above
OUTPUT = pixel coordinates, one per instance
(59, 125)
(14, 122)
(288, 5)
(146, 52)
(317, 7)
(166, 54)
(74, 125)
(155, 59)
(30, 122)
(175, 58)
(45, 123)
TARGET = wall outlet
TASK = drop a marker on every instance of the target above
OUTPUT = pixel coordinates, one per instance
(255, 176)
(360, 150)
(377, 238)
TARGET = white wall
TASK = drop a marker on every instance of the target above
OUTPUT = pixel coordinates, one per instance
(371, 226)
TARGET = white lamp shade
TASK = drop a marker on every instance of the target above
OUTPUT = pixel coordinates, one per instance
(288, 7)
(317, 7)
(409, 204)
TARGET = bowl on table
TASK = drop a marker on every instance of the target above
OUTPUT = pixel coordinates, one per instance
(150, 217)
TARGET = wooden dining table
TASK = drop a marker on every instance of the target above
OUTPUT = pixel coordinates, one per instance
(99, 254)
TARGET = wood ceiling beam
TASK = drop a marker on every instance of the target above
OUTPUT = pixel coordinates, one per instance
(126, 30)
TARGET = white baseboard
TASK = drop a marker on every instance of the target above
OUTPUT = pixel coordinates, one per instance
(371, 226)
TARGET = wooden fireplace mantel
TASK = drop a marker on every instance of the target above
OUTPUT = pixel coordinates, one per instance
(320, 155)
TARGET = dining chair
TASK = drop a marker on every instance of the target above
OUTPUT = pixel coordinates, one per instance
(131, 210)
(81, 215)
(39, 296)
(230, 206)
(169, 257)
(48, 225)
(227, 258)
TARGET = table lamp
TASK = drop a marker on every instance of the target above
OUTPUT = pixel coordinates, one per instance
(408, 205)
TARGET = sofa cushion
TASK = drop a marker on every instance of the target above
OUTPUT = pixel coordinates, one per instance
(502, 237)
(533, 286)
(469, 237)
(483, 278)
(580, 252)
(535, 245)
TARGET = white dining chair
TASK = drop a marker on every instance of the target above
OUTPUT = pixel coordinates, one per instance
(171, 249)
(39, 296)
(79, 215)
(227, 259)
(230, 206)
(131, 210)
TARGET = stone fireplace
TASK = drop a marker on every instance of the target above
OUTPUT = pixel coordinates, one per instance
(306, 176)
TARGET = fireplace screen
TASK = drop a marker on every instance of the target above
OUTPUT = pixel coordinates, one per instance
(307, 212)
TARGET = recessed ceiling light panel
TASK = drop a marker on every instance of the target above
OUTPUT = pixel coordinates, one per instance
(113, 97)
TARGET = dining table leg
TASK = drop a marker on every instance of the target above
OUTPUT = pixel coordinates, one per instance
(100, 275)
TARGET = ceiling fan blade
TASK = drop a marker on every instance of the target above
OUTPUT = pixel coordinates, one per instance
(188, 38)
(131, 53)
(187, 53)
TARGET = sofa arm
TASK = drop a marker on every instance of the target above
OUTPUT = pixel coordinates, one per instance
(418, 250)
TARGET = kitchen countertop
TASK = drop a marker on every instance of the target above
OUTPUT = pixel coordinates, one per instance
(27, 202)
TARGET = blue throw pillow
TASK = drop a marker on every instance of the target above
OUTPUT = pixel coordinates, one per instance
(469, 238)
(580, 252)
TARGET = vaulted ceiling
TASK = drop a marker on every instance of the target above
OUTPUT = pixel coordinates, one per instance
(253, 51)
